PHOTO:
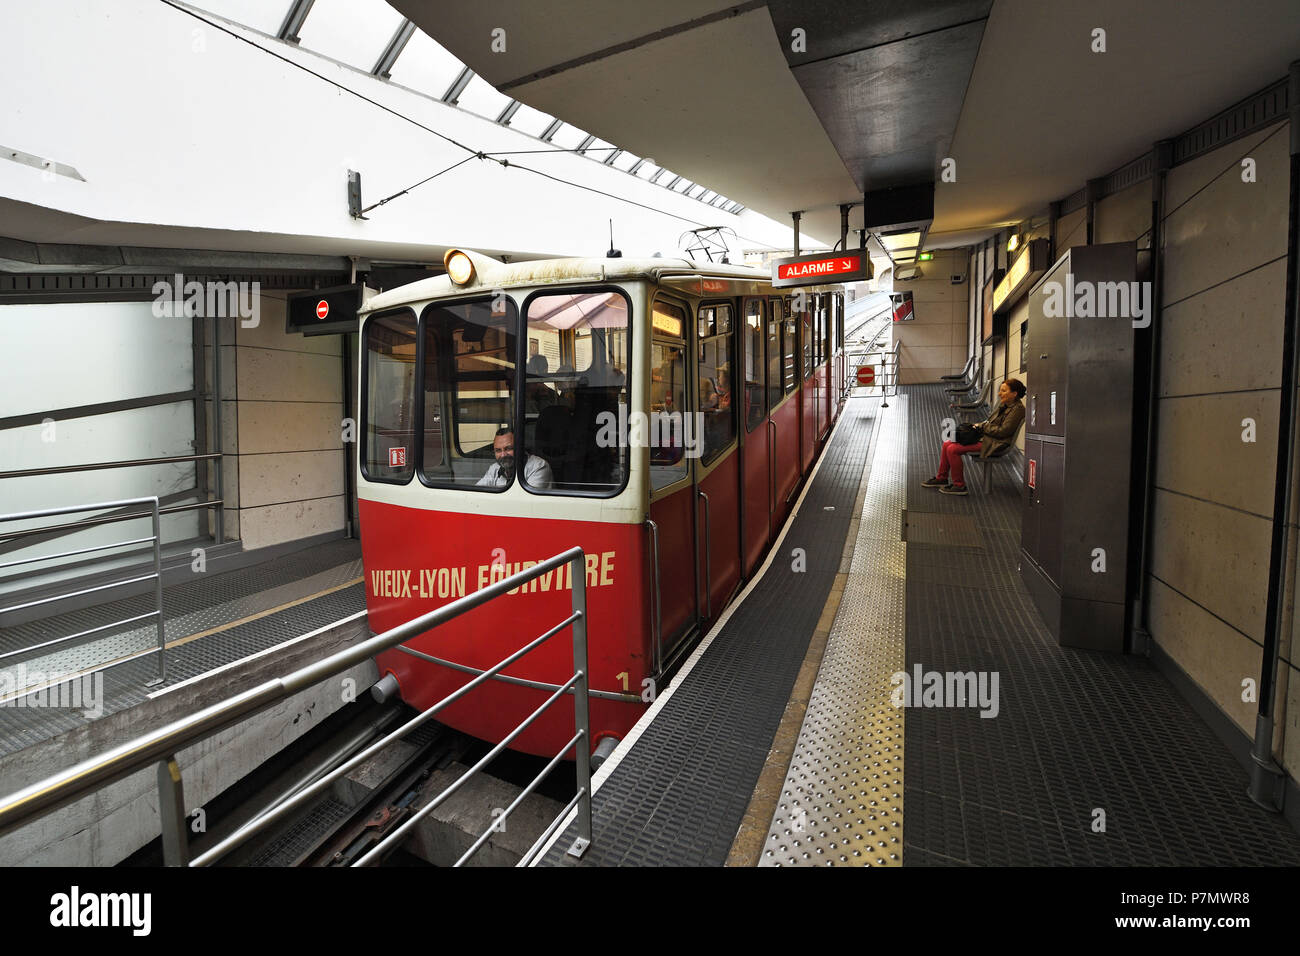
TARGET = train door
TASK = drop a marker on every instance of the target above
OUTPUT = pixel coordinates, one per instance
(823, 365)
(838, 347)
(757, 479)
(783, 404)
(831, 316)
(717, 468)
(807, 398)
(672, 482)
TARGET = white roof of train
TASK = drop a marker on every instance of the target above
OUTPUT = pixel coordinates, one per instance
(492, 274)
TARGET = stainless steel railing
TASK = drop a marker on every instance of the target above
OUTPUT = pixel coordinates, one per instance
(154, 541)
(888, 362)
(218, 502)
(161, 746)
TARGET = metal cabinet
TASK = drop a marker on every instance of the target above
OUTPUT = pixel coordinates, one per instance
(1029, 521)
(1078, 434)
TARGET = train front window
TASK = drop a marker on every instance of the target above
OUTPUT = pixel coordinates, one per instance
(468, 384)
(389, 369)
(576, 382)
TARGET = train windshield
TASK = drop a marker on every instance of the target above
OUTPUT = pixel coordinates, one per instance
(463, 383)
(576, 378)
(468, 382)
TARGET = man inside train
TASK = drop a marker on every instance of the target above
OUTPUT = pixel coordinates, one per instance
(502, 471)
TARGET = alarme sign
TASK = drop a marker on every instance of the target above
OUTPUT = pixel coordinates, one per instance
(821, 269)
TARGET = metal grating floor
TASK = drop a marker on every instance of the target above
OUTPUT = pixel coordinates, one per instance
(204, 601)
(1077, 731)
(232, 596)
(947, 531)
(303, 835)
(180, 621)
(677, 797)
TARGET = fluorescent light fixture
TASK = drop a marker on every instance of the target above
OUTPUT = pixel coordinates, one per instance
(901, 240)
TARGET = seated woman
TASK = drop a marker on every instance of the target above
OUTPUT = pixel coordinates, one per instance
(995, 434)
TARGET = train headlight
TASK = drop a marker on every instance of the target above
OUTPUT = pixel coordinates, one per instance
(460, 269)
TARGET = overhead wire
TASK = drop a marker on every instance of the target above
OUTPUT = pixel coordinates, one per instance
(420, 183)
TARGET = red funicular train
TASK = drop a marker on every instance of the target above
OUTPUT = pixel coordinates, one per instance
(658, 413)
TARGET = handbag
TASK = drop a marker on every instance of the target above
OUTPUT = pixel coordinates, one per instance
(967, 434)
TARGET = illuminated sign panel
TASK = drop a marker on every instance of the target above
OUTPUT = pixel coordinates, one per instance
(667, 324)
(821, 268)
(1029, 265)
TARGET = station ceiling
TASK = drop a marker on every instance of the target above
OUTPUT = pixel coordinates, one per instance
(879, 94)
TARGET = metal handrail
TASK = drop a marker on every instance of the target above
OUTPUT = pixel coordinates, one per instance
(162, 745)
(100, 465)
(218, 502)
(109, 519)
(156, 576)
(708, 562)
(622, 697)
(658, 607)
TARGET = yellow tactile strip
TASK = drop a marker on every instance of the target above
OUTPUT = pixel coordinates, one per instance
(841, 802)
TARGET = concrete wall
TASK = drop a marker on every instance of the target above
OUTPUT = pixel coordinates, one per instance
(934, 343)
(282, 430)
(1224, 256)
(1225, 272)
(1071, 230)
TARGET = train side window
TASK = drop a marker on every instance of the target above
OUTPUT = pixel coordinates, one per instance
(839, 321)
(717, 361)
(576, 381)
(828, 331)
(815, 325)
(823, 327)
(805, 320)
(774, 390)
(668, 462)
(789, 344)
(755, 392)
(389, 370)
(468, 383)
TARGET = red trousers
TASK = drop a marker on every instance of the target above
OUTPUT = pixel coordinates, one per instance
(950, 458)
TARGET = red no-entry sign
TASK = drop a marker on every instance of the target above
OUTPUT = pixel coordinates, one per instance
(322, 309)
(866, 375)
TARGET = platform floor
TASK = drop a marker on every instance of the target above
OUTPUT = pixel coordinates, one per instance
(916, 578)
(1078, 731)
(212, 620)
